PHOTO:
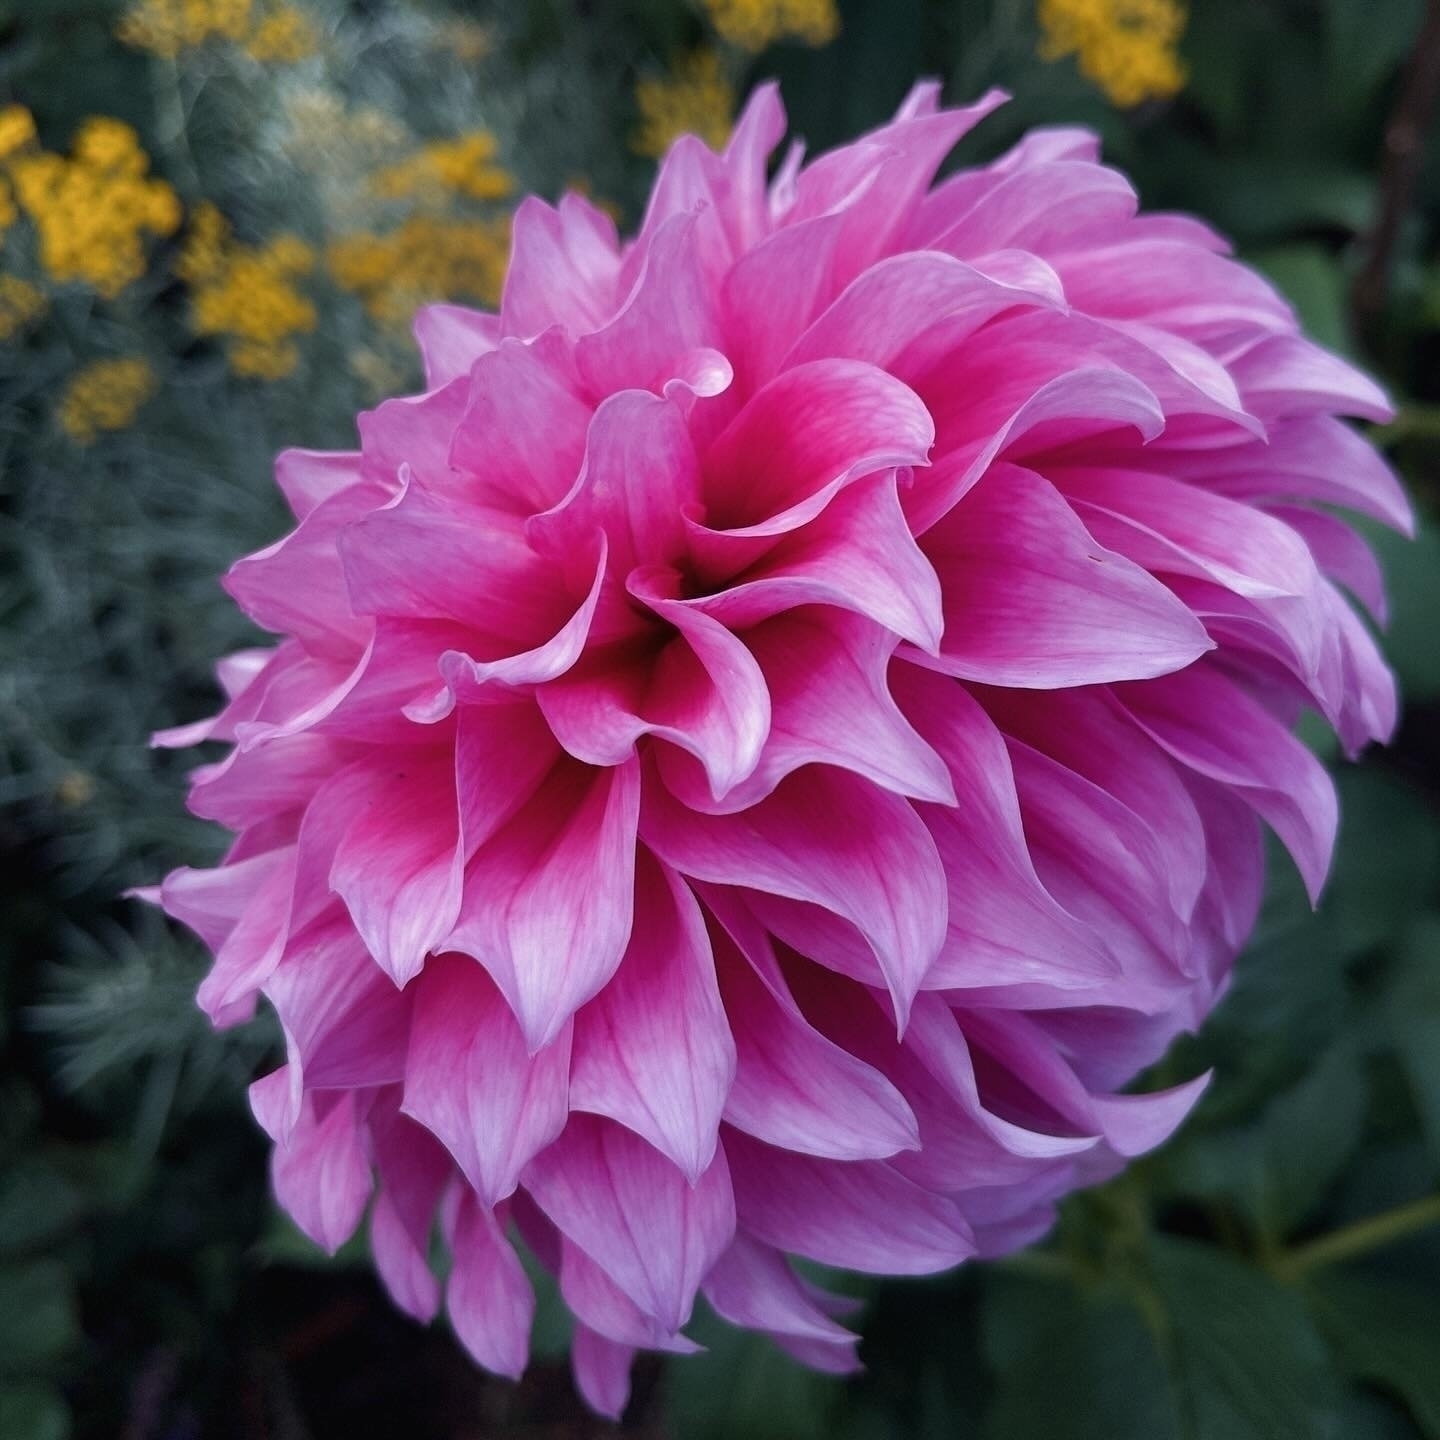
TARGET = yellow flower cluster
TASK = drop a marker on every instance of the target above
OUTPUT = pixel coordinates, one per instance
(323, 135)
(695, 98)
(105, 395)
(1126, 47)
(283, 37)
(427, 258)
(17, 132)
(280, 35)
(166, 27)
(463, 166)
(247, 294)
(754, 24)
(21, 304)
(94, 210)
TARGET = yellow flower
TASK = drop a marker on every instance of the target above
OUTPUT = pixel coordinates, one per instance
(94, 211)
(427, 258)
(105, 395)
(168, 27)
(463, 166)
(283, 37)
(1126, 47)
(259, 360)
(246, 294)
(17, 129)
(696, 98)
(203, 251)
(754, 24)
(21, 304)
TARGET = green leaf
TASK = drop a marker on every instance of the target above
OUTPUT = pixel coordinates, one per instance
(36, 1203)
(1412, 573)
(1413, 1018)
(33, 1412)
(744, 1386)
(1310, 278)
(1245, 1358)
(1307, 1136)
(1367, 39)
(1384, 1331)
(1387, 867)
(1371, 1417)
(38, 1323)
(1071, 1365)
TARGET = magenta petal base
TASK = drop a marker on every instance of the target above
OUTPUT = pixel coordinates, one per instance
(778, 733)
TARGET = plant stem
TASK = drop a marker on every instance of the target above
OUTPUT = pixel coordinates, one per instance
(1360, 1238)
(1400, 165)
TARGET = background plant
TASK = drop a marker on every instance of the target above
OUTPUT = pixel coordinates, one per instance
(215, 219)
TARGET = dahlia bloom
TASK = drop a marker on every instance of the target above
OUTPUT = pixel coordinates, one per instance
(778, 732)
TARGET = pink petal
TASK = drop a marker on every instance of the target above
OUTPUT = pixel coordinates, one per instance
(753, 1285)
(602, 1371)
(639, 473)
(825, 671)
(413, 1169)
(345, 1023)
(308, 478)
(810, 431)
(600, 1304)
(861, 1215)
(518, 444)
(857, 554)
(431, 556)
(1032, 601)
(793, 1087)
(653, 1050)
(670, 313)
(469, 1080)
(322, 1174)
(451, 339)
(1341, 554)
(402, 1267)
(702, 692)
(1088, 733)
(398, 862)
(1284, 375)
(490, 1301)
(1004, 929)
(548, 900)
(635, 1214)
(834, 840)
(888, 305)
(1165, 525)
(563, 270)
(1040, 208)
(1103, 864)
(1313, 457)
(771, 294)
(1208, 723)
(297, 585)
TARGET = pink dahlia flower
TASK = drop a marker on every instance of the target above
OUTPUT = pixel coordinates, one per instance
(777, 733)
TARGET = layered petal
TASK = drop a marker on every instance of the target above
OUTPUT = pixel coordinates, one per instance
(767, 746)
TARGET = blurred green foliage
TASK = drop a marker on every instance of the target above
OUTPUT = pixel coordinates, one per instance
(1272, 1274)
